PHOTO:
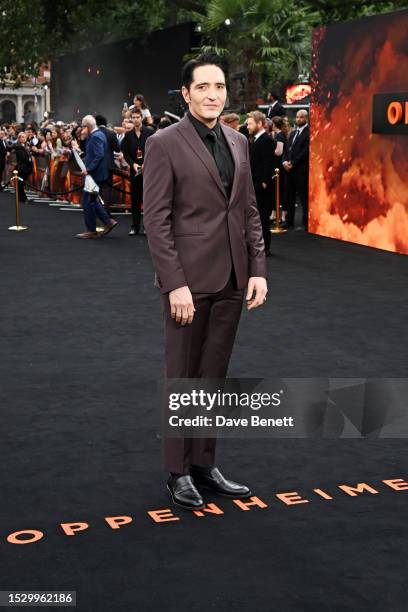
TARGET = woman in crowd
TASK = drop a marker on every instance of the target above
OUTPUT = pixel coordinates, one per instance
(139, 103)
(24, 164)
(287, 128)
(79, 137)
(56, 141)
(56, 178)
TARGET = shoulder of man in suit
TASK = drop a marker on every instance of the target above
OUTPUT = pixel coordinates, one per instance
(265, 137)
(304, 131)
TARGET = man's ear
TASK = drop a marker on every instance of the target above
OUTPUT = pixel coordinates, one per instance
(186, 94)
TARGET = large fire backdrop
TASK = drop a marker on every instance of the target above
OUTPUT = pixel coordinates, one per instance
(359, 179)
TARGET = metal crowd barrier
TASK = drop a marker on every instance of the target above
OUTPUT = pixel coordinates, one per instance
(60, 178)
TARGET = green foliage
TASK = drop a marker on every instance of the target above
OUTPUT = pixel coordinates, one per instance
(39, 30)
(331, 11)
(268, 39)
(271, 37)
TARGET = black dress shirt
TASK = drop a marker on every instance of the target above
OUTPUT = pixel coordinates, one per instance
(24, 161)
(133, 147)
(218, 148)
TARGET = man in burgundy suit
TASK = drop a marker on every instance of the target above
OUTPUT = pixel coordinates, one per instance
(205, 238)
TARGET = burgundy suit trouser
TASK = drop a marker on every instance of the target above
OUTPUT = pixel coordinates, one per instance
(200, 350)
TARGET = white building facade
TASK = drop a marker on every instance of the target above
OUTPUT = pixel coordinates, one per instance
(24, 104)
(28, 102)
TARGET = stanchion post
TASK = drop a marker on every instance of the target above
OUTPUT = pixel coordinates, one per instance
(277, 229)
(17, 227)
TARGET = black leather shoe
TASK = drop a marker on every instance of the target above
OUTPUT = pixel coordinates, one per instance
(184, 494)
(211, 478)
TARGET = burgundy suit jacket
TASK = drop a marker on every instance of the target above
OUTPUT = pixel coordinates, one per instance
(194, 231)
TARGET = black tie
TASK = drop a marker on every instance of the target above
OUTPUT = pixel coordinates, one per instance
(215, 145)
(295, 136)
(220, 160)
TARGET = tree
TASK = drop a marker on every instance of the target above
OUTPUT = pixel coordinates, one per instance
(40, 30)
(331, 11)
(268, 39)
(260, 38)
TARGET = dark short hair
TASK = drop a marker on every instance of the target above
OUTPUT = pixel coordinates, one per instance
(163, 123)
(230, 118)
(204, 59)
(278, 121)
(100, 120)
(274, 94)
(136, 111)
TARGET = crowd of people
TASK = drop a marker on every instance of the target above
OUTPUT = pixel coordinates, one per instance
(273, 143)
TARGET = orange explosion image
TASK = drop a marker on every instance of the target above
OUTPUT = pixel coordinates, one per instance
(359, 180)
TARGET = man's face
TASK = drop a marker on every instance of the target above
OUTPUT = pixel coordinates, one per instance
(301, 118)
(22, 139)
(253, 126)
(137, 120)
(207, 94)
(2, 134)
(85, 130)
(137, 103)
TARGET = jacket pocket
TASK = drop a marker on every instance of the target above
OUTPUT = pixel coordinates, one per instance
(189, 234)
(195, 231)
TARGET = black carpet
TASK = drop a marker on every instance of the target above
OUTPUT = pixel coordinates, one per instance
(81, 351)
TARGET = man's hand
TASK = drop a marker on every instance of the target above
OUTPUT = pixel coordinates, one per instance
(257, 284)
(287, 165)
(264, 185)
(181, 305)
(84, 172)
(136, 167)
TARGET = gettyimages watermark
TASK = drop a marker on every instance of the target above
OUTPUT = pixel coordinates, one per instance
(285, 408)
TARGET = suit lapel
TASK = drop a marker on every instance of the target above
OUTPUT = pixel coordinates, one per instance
(190, 135)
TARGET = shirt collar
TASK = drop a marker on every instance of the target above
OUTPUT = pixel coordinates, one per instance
(94, 130)
(202, 129)
(259, 134)
(300, 129)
